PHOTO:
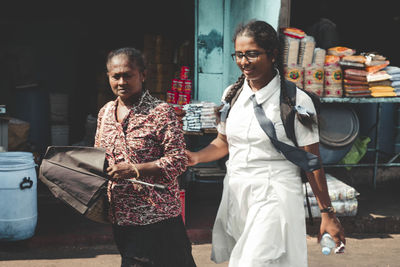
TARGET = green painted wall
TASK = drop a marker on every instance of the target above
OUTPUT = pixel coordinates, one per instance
(215, 24)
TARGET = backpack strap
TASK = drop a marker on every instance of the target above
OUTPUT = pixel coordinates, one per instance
(287, 112)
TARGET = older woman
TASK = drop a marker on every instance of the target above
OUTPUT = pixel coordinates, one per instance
(143, 141)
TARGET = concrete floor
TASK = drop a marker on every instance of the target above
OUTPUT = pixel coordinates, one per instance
(361, 251)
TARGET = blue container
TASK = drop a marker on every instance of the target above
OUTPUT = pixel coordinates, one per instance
(32, 105)
(16, 155)
(18, 198)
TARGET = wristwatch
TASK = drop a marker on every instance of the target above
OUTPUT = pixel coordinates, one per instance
(329, 209)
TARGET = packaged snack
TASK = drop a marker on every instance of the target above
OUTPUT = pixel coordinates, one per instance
(355, 72)
(341, 51)
(294, 32)
(314, 79)
(331, 60)
(375, 66)
(295, 74)
(355, 58)
(349, 64)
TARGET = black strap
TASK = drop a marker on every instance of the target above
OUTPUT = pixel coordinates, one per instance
(308, 205)
(305, 160)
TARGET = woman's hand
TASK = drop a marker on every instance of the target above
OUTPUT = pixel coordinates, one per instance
(192, 158)
(121, 171)
(331, 224)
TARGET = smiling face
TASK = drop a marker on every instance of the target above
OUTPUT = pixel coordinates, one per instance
(125, 78)
(259, 71)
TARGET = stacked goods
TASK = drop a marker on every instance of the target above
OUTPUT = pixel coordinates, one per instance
(343, 198)
(355, 77)
(59, 128)
(314, 79)
(199, 116)
(364, 76)
(158, 51)
(355, 83)
(319, 56)
(293, 71)
(333, 71)
(291, 51)
(314, 73)
(208, 117)
(333, 81)
(191, 120)
(181, 89)
(394, 73)
(378, 79)
(306, 51)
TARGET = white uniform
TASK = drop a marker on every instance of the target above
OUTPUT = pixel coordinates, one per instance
(261, 219)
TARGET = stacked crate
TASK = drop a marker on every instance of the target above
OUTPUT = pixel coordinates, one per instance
(159, 51)
(59, 119)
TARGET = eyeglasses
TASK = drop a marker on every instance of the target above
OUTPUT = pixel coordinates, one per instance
(249, 55)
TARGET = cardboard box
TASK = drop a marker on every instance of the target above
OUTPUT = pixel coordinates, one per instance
(158, 49)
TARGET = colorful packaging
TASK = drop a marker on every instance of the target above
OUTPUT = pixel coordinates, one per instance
(294, 32)
(314, 79)
(341, 51)
(172, 97)
(174, 85)
(333, 81)
(295, 74)
(184, 98)
(179, 85)
(187, 86)
(184, 72)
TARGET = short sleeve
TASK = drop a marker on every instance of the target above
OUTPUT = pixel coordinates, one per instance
(304, 135)
(221, 126)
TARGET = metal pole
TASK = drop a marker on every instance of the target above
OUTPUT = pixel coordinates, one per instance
(377, 132)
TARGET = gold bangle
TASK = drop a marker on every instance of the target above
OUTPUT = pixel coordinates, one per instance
(136, 170)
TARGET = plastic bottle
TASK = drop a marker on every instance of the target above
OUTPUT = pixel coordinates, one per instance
(327, 244)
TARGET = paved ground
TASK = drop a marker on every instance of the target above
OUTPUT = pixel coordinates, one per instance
(66, 239)
(362, 251)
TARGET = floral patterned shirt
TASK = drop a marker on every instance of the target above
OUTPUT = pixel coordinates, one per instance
(150, 132)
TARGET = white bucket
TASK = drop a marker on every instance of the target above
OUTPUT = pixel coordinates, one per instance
(18, 193)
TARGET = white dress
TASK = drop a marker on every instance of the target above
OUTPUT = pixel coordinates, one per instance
(261, 220)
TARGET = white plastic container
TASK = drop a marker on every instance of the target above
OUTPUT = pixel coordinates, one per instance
(18, 197)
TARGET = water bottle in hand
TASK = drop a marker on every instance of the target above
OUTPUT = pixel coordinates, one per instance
(327, 244)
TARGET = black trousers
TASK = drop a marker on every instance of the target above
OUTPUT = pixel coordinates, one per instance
(162, 244)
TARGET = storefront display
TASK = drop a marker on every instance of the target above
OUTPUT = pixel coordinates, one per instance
(342, 71)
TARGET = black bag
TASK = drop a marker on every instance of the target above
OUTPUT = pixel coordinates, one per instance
(76, 176)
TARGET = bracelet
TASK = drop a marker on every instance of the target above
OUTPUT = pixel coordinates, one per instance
(329, 209)
(136, 170)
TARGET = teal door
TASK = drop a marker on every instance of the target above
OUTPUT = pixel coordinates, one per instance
(215, 23)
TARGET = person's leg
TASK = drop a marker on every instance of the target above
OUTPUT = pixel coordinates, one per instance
(127, 239)
(160, 244)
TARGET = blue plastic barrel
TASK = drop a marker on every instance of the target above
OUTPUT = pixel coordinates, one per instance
(32, 105)
(16, 155)
(18, 197)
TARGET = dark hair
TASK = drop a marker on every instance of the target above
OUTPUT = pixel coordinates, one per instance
(134, 55)
(266, 37)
